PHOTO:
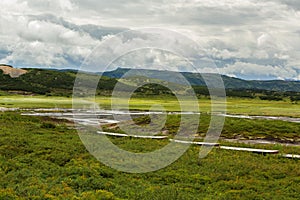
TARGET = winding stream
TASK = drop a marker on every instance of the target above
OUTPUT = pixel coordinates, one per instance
(107, 117)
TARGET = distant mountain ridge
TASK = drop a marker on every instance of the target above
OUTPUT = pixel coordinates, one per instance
(61, 82)
(229, 82)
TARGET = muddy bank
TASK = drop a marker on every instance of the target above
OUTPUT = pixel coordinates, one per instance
(287, 119)
(262, 141)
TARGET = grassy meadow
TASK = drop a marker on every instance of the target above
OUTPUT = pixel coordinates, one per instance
(43, 158)
(234, 105)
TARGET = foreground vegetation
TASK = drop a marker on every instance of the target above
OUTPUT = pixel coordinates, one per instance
(41, 158)
(234, 128)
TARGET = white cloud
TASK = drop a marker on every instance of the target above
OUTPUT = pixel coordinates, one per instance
(252, 35)
(255, 71)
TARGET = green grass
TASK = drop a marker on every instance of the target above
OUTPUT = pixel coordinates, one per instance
(274, 130)
(44, 159)
(18, 101)
(234, 105)
(262, 107)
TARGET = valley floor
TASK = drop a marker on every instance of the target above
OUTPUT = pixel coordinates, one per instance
(233, 105)
(44, 158)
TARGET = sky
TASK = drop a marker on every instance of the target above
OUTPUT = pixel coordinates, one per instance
(249, 39)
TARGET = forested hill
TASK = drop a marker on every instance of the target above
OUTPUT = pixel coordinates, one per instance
(60, 83)
(49, 82)
(229, 82)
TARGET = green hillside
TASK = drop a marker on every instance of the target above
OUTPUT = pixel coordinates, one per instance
(229, 82)
(61, 82)
(50, 82)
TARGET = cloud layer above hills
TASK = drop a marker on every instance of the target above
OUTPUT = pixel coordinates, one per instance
(251, 39)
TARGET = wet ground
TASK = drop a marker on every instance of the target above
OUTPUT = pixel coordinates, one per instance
(104, 117)
(287, 119)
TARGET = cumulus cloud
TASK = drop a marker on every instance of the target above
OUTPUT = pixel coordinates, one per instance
(246, 38)
(47, 41)
(261, 72)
